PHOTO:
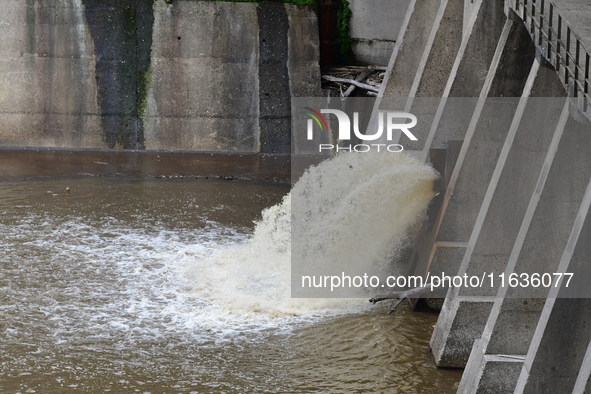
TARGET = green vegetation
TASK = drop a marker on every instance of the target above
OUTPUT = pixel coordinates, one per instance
(142, 93)
(343, 18)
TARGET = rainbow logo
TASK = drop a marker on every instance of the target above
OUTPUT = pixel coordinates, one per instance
(317, 116)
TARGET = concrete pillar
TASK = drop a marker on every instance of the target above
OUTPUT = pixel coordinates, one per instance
(557, 359)
(520, 179)
(552, 212)
(428, 50)
(411, 44)
(452, 340)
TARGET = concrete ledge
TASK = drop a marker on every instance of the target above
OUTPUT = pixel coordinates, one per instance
(460, 324)
(499, 376)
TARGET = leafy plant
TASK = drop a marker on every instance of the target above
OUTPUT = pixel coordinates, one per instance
(343, 19)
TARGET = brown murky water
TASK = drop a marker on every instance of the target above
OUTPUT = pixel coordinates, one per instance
(118, 286)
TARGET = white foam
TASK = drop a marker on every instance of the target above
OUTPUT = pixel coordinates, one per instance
(349, 207)
(104, 277)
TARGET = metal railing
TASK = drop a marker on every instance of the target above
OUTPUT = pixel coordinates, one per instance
(560, 45)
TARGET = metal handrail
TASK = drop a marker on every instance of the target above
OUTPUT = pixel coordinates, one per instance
(554, 38)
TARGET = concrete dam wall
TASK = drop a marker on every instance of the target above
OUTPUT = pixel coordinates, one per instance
(145, 74)
(516, 182)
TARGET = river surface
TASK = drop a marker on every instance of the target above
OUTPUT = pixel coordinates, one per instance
(126, 285)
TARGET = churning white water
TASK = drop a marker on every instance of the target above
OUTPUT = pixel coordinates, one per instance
(347, 210)
(128, 284)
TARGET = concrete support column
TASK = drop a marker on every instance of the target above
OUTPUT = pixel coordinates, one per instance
(516, 324)
(509, 362)
(463, 214)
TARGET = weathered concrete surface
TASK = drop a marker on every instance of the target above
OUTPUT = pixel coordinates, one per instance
(480, 49)
(510, 332)
(514, 328)
(455, 332)
(48, 95)
(553, 220)
(518, 179)
(228, 91)
(121, 32)
(303, 46)
(503, 220)
(423, 63)
(443, 52)
(561, 353)
(482, 155)
(374, 28)
(499, 377)
(429, 47)
(408, 58)
(472, 71)
(274, 104)
(134, 74)
(488, 244)
(559, 203)
(204, 87)
(459, 325)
